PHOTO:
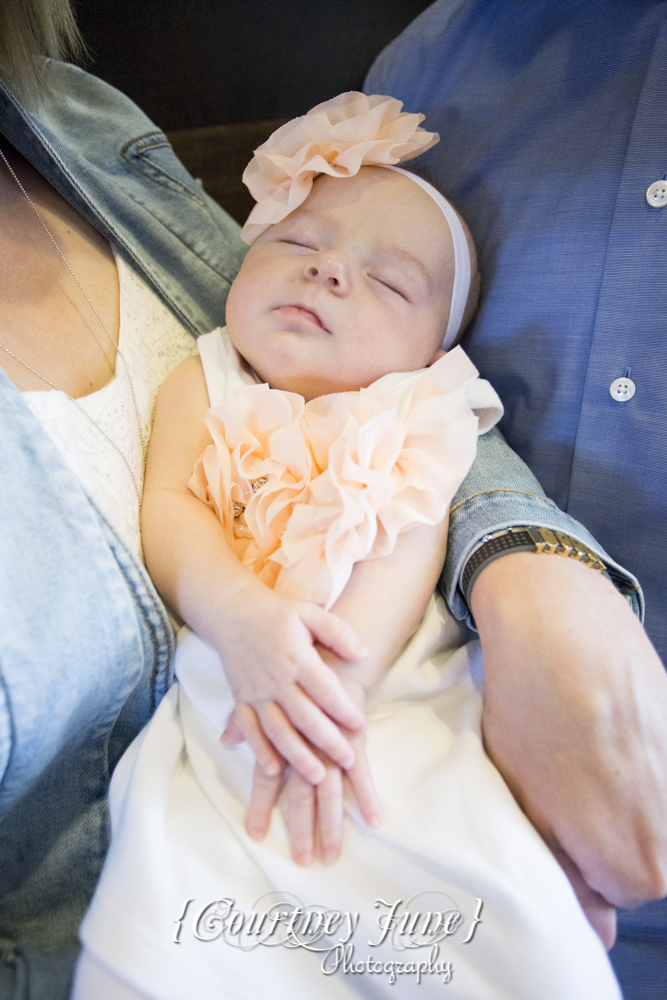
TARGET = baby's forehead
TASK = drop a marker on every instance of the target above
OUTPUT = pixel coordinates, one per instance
(376, 201)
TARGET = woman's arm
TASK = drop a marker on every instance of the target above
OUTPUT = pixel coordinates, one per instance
(265, 641)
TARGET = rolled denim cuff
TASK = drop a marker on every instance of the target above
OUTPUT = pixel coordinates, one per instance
(500, 491)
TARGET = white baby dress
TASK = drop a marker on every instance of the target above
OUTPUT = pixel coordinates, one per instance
(455, 894)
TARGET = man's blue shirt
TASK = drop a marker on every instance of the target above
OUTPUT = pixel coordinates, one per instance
(553, 124)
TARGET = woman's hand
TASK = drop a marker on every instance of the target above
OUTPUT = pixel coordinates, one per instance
(314, 814)
(285, 694)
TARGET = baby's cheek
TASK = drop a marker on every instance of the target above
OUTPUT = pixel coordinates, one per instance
(239, 304)
(230, 308)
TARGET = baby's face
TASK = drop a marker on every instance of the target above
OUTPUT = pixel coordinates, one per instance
(354, 284)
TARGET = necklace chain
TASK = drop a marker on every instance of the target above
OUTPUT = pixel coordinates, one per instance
(106, 330)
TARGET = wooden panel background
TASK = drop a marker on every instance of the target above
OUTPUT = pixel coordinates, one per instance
(218, 155)
(220, 75)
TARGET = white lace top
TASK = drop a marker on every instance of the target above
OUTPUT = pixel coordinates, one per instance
(153, 342)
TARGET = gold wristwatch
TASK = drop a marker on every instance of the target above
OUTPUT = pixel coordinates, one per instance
(523, 538)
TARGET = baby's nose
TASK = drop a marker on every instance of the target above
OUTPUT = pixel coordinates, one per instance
(329, 270)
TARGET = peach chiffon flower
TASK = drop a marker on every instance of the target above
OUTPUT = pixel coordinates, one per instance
(331, 482)
(336, 138)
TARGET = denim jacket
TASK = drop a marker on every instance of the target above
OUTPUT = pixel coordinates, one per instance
(85, 643)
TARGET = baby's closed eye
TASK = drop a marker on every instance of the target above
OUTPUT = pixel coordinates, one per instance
(391, 285)
(300, 244)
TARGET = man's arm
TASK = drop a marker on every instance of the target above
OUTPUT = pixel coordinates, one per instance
(500, 491)
(574, 718)
(576, 695)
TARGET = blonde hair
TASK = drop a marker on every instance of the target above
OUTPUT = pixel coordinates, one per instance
(31, 30)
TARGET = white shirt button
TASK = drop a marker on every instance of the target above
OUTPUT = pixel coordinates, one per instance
(656, 195)
(622, 389)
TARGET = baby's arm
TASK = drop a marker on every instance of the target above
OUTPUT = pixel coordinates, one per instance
(265, 641)
(384, 601)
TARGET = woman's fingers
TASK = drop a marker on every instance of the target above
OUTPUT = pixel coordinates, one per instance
(314, 816)
(232, 734)
(263, 797)
(363, 787)
(330, 811)
(300, 818)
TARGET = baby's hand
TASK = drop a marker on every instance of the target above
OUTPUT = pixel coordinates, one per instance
(283, 689)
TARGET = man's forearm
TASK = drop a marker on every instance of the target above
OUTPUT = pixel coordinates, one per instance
(500, 491)
(576, 702)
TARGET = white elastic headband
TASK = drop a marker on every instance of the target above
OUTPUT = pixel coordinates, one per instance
(461, 256)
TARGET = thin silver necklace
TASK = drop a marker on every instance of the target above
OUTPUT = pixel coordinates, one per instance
(100, 430)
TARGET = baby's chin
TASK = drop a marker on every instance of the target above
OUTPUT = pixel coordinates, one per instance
(283, 364)
(314, 387)
(310, 387)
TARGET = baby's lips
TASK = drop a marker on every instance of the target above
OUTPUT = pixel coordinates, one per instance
(303, 313)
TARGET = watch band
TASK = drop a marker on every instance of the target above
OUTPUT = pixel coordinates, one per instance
(523, 538)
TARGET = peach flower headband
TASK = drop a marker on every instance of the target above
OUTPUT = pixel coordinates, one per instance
(337, 138)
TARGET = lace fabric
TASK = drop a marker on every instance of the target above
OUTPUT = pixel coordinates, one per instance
(153, 342)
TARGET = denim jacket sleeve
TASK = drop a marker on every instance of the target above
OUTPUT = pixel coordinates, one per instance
(81, 626)
(86, 647)
(499, 491)
(117, 168)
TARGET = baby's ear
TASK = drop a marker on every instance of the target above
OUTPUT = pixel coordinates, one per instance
(436, 357)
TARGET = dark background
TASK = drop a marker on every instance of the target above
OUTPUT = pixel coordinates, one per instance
(195, 63)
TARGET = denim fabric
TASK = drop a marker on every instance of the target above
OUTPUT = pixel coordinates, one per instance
(30, 973)
(118, 170)
(85, 643)
(499, 491)
(85, 655)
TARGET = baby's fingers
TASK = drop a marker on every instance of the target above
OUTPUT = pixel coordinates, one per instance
(333, 632)
(317, 727)
(289, 744)
(244, 720)
(325, 689)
